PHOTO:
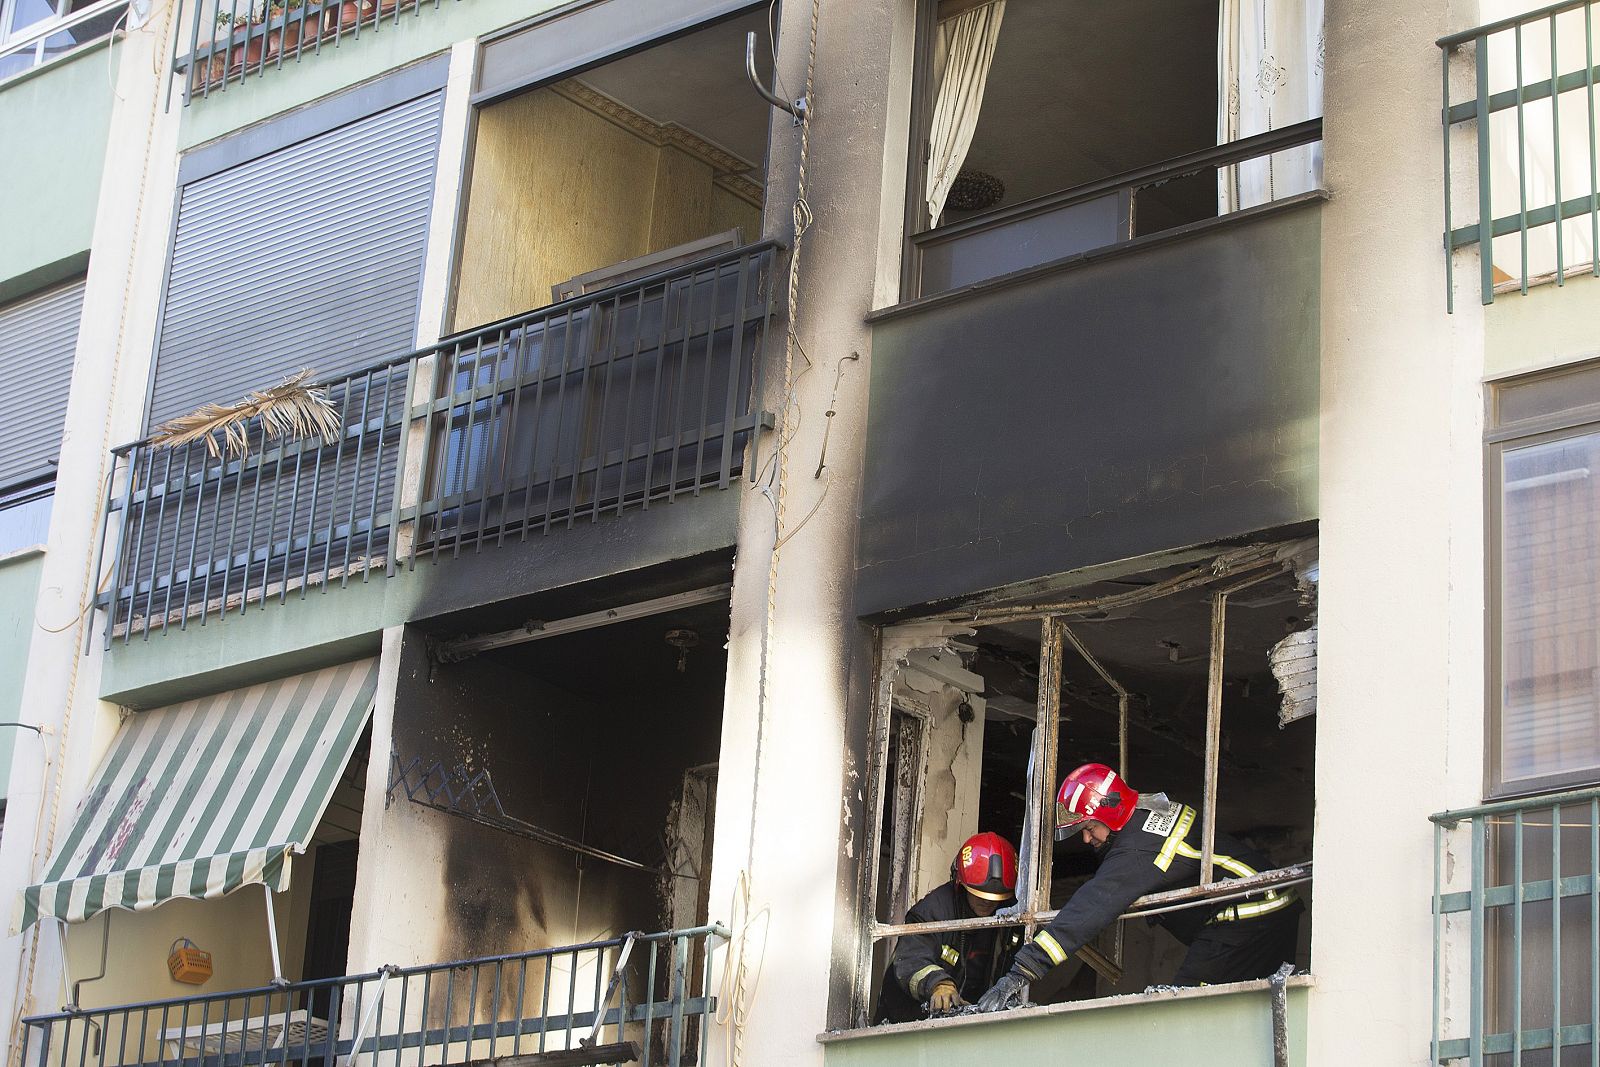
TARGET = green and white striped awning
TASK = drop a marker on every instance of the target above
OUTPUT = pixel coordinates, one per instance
(200, 798)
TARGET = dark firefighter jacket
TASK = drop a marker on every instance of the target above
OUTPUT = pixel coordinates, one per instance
(1158, 849)
(973, 959)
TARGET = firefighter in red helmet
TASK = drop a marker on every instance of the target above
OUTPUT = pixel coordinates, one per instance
(944, 971)
(1146, 843)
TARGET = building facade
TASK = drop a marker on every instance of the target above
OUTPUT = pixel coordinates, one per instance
(536, 530)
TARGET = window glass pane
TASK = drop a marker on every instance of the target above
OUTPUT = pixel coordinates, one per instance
(1534, 397)
(25, 13)
(89, 30)
(1550, 608)
(25, 523)
(18, 61)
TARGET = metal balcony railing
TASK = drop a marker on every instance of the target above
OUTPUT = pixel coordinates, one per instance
(621, 398)
(1526, 906)
(642, 998)
(1534, 119)
(230, 41)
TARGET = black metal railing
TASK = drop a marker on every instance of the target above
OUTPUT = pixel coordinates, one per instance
(641, 998)
(230, 41)
(620, 398)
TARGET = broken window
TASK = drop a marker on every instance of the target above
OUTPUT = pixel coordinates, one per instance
(1046, 128)
(1197, 680)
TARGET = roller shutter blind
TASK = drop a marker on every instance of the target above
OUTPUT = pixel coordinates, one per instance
(38, 336)
(309, 256)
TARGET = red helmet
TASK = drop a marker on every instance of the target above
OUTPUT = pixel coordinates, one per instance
(1093, 791)
(987, 867)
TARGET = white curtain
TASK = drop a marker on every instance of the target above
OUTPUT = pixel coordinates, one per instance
(963, 52)
(1269, 75)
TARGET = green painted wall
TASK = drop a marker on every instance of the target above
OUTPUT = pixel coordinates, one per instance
(19, 586)
(1191, 1028)
(355, 60)
(53, 126)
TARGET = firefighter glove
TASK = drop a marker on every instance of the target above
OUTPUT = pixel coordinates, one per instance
(944, 998)
(1006, 993)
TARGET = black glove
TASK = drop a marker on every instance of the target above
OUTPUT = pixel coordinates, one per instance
(1006, 993)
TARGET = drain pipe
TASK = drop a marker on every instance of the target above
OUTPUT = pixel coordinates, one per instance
(1279, 984)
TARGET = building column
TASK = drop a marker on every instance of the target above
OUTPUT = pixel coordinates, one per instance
(784, 868)
(1400, 663)
(106, 407)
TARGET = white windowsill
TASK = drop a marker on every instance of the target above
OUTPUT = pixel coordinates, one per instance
(1126, 1000)
(22, 553)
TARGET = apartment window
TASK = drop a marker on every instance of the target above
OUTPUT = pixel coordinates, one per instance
(25, 516)
(35, 31)
(1544, 470)
(1045, 129)
(980, 718)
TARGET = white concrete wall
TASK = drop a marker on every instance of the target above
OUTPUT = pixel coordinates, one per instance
(106, 406)
(1400, 715)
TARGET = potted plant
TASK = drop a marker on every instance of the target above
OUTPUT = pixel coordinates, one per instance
(244, 50)
(344, 15)
(286, 36)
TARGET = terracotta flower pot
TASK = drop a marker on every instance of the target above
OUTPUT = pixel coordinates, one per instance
(341, 17)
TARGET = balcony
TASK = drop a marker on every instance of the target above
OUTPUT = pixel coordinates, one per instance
(230, 42)
(622, 398)
(1157, 392)
(1512, 973)
(639, 998)
(1536, 202)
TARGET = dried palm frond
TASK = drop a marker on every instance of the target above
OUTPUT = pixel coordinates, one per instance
(293, 408)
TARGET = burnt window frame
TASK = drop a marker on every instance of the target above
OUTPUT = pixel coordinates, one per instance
(1224, 575)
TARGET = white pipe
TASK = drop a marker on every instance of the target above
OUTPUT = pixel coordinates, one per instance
(272, 937)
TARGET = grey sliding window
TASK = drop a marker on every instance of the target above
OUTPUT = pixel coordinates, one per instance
(38, 335)
(309, 255)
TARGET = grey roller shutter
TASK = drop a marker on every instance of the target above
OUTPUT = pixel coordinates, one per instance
(38, 336)
(309, 256)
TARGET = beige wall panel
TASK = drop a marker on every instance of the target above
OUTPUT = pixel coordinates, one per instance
(556, 191)
(729, 211)
(682, 210)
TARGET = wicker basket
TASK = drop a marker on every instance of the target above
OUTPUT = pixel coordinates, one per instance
(189, 964)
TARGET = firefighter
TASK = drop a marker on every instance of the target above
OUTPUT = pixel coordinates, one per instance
(945, 971)
(1148, 843)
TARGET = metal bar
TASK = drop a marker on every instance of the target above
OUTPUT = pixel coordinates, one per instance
(178, 535)
(1516, 940)
(194, 536)
(1475, 1011)
(311, 510)
(544, 1004)
(377, 477)
(1555, 933)
(1555, 139)
(1449, 226)
(595, 336)
(705, 378)
(507, 424)
(471, 405)
(1208, 835)
(1594, 189)
(605, 405)
(633, 381)
(1230, 889)
(1501, 807)
(1049, 734)
(403, 422)
(735, 374)
(522, 987)
(472, 1008)
(211, 541)
(250, 538)
(683, 383)
(126, 532)
(1117, 687)
(680, 966)
(155, 556)
(533, 432)
(650, 1002)
(1438, 940)
(657, 389)
(338, 469)
(561, 415)
(432, 467)
(1522, 169)
(572, 992)
(1485, 206)
(294, 509)
(355, 491)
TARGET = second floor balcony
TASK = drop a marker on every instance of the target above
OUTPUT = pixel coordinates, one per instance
(624, 397)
